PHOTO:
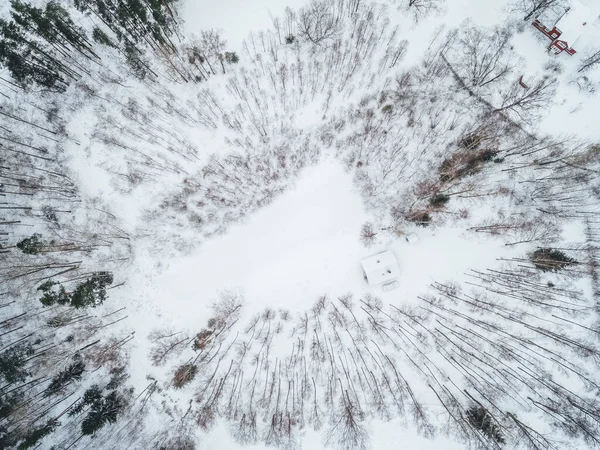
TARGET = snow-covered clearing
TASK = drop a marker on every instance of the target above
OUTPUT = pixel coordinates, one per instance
(301, 247)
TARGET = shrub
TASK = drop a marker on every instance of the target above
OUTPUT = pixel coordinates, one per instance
(231, 57)
(202, 339)
(464, 163)
(481, 420)
(387, 109)
(549, 260)
(31, 245)
(421, 218)
(470, 141)
(184, 375)
(367, 235)
(179, 443)
(439, 200)
(290, 39)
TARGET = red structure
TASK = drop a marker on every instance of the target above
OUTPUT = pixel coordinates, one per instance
(557, 46)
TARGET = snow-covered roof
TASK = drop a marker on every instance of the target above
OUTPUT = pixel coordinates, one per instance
(381, 268)
(577, 20)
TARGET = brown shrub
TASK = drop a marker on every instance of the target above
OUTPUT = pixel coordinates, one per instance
(367, 235)
(184, 375)
(421, 218)
(202, 339)
(464, 163)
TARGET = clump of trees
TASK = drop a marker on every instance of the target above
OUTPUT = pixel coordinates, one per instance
(31, 245)
(12, 362)
(91, 292)
(481, 420)
(469, 160)
(550, 260)
(35, 43)
(184, 374)
(103, 409)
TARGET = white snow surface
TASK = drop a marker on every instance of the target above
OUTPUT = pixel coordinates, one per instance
(236, 18)
(305, 243)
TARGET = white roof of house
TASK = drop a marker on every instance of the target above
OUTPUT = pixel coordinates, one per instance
(381, 268)
(577, 20)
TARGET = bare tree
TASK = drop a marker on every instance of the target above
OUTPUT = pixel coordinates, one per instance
(319, 22)
(213, 46)
(483, 57)
(422, 8)
(524, 103)
(367, 235)
(590, 61)
(534, 8)
(347, 431)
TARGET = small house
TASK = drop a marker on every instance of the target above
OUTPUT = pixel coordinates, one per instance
(569, 26)
(381, 269)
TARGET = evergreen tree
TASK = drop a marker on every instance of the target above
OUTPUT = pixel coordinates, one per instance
(93, 394)
(92, 292)
(102, 38)
(481, 420)
(231, 57)
(31, 245)
(7, 404)
(37, 434)
(103, 410)
(12, 362)
(51, 295)
(64, 377)
(550, 260)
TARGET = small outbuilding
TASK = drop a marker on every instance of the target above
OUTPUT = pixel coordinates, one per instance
(570, 26)
(381, 269)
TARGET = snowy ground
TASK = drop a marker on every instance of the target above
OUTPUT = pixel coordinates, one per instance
(237, 19)
(302, 243)
(302, 246)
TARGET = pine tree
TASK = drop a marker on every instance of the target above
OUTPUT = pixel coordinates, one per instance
(102, 38)
(231, 57)
(64, 377)
(12, 363)
(31, 245)
(37, 434)
(481, 420)
(51, 295)
(103, 410)
(92, 292)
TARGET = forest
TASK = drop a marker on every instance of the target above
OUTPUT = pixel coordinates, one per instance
(128, 143)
